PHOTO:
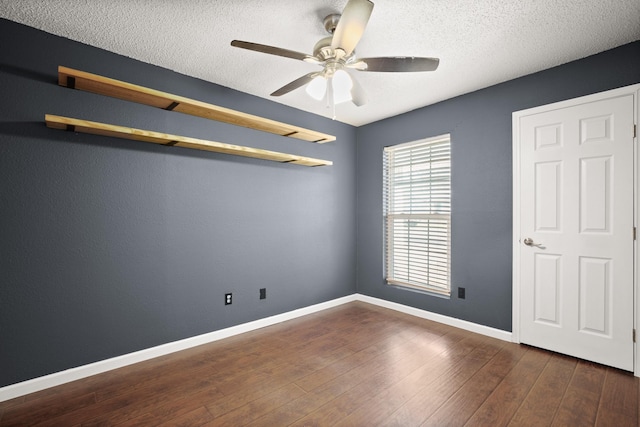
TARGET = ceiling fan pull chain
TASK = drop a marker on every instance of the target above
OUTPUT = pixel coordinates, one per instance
(329, 94)
(330, 101)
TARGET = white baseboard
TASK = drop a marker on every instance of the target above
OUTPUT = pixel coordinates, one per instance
(30, 386)
(62, 377)
(451, 321)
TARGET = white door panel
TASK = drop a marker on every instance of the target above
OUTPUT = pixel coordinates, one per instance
(576, 202)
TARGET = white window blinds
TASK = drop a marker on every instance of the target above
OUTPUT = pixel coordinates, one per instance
(417, 211)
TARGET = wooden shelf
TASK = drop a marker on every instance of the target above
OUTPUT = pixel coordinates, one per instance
(118, 89)
(96, 128)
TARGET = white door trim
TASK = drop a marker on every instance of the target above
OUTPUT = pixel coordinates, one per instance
(516, 116)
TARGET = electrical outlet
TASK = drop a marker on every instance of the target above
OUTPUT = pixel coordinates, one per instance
(461, 293)
(263, 293)
(227, 299)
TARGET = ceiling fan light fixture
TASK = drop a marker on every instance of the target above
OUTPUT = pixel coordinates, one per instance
(341, 83)
(317, 88)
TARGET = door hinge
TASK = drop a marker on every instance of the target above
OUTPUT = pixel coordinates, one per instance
(634, 131)
(634, 233)
(634, 335)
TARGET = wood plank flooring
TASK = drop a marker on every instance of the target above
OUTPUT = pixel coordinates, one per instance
(353, 365)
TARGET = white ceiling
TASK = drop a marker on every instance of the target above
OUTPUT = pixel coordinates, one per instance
(479, 42)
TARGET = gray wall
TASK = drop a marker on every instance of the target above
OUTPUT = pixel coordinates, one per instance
(480, 127)
(110, 246)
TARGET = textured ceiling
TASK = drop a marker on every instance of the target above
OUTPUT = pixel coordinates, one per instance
(479, 42)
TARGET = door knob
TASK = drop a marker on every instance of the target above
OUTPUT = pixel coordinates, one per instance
(529, 242)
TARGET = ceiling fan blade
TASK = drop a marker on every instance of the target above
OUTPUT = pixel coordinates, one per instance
(358, 95)
(295, 84)
(351, 26)
(271, 50)
(396, 64)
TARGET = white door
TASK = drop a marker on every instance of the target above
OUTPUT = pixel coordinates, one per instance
(576, 237)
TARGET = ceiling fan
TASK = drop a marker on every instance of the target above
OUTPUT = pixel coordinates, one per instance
(336, 55)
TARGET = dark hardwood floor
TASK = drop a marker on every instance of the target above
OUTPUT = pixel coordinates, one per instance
(353, 365)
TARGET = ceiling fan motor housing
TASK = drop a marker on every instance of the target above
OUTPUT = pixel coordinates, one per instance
(329, 57)
(323, 50)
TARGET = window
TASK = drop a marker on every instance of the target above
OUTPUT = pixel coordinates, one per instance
(417, 214)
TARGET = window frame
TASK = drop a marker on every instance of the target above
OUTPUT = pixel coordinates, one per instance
(432, 216)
